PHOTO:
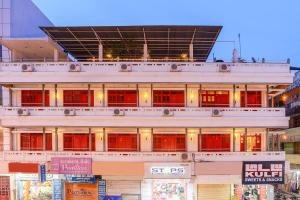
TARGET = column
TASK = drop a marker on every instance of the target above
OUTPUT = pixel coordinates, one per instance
(55, 95)
(6, 96)
(55, 139)
(44, 139)
(191, 52)
(200, 140)
(60, 140)
(55, 55)
(267, 140)
(233, 140)
(200, 95)
(89, 95)
(145, 139)
(245, 139)
(99, 137)
(145, 55)
(234, 94)
(186, 95)
(267, 96)
(246, 96)
(192, 140)
(100, 53)
(7, 138)
(43, 95)
(90, 139)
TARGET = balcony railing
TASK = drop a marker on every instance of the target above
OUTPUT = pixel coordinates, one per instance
(45, 156)
(147, 111)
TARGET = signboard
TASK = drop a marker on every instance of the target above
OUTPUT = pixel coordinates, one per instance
(42, 173)
(114, 197)
(167, 170)
(263, 172)
(57, 189)
(74, 191)
(81, 179)
(66, 165)
(101, 189)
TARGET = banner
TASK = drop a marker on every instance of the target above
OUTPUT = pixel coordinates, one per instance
(263, 172)
(81, 179)
(66, 165)
(57, 189)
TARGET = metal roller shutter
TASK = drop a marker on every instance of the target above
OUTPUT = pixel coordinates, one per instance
(130, 190)
(213, 192)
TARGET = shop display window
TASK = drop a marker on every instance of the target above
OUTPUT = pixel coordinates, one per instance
(122, 98)
(168, 98)
(163, 190)
(214, 98)
(122, 142)
(253, 142)
(78, 98)
(34, 141)
(253, 99)
(78, 142)
(34, 98)
(4, 187)
(215, 142)
(169, 142)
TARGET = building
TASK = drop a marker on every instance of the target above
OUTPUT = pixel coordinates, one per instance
(139, 114)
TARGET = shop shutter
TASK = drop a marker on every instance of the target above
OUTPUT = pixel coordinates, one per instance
(213, 192)
(130, 190)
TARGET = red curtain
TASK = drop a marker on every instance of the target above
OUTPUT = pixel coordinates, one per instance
(122, 98)
(215, 98)
(253, 99)
(34, 141)
(169, 142)
(122, 142)
(168, 98)
(215, 142)
(255, 140)
(78, 142)
(78, 98)
(34, 98)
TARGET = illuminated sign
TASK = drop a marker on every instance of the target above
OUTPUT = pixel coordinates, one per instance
(263, 172)
(165, 170)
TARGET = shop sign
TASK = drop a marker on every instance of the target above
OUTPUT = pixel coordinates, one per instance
(101, 189)
(81, 179)
(263, 172)
(66, 165)
(167, 170)
(57, 189)
(42, 173)
(74, 191)
(112, 197)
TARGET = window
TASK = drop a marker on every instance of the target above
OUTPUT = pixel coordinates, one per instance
(253, 99)
(122, 142)
(215, 98)
(215, 142)
(122, 98)
(168, 98)
(4, 187)
(169, 142)
(34, 141)
(34, 98)
(78, 98)
(253, 142)
(78, 142)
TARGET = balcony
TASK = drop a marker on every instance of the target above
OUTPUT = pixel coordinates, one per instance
(45, 156)
(147, 72)
(146, 117)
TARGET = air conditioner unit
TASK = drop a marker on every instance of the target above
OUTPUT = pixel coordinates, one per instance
(224, 68)
(217, 113)
(74, 67)
(184, 156)
(119, 112)
(69, 112)
(175, 68)
(27, 68)
(168, 112)
(23, 112)
(125, 68)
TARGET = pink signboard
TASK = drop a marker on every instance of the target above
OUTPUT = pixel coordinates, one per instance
(66, 165)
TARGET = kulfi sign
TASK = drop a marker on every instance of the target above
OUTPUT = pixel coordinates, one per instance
(263, 172)
(66, 165)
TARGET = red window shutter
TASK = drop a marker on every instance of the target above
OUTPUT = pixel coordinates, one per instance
(122, 98)
(78, 98)
(48, 141)
(214, 98)
(34, 98)
(169, 142)
(25, 141)
(253, 98)
(78, 142)
(122, 142)
(168, 98)
(215, 142)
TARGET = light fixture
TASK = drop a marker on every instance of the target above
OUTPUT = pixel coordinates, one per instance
(146, 97)
(100, 96)
(192, 96)
(284, 137)
(184, 56)
(284, 98)
(109, 55)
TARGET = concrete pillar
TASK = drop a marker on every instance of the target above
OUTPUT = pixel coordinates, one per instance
(55, 55)
(6, 101)
(60, 140)
(145, 140)
(191, 52)
(99, 139)
(192, 140)
(100, 53)
(145, 55)
(7, 139)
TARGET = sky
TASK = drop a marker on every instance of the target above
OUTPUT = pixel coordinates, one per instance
(269, 29)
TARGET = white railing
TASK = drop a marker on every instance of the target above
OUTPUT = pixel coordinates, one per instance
(147, 111)
(148, 67)
(45, 156)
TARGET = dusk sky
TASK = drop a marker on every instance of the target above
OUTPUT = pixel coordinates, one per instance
(269, 28)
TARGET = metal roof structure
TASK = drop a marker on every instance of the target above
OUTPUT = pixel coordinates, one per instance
(127, 42)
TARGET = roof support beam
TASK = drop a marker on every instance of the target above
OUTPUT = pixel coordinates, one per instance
(191, 52)
(100, 53)
(79, 41)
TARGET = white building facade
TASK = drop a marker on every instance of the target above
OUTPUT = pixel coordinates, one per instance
(141, 108)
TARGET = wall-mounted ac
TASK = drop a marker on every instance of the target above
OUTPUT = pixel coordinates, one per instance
(217, 113)
(168, 112)
(119, 112)
(69, 112)
(175, 68)
(75, 67)
(125, 68)
(27, 68)
(23, 112)
(224, 68)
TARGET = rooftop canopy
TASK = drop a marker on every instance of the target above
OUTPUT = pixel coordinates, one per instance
(127, 42)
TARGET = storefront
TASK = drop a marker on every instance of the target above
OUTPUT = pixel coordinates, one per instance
(163, 181)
